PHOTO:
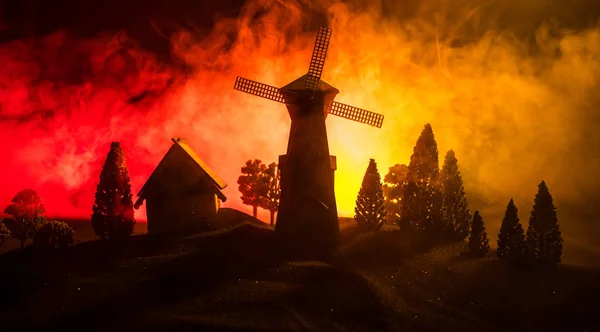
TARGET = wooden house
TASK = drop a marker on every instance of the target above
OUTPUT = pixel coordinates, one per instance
(182, 192)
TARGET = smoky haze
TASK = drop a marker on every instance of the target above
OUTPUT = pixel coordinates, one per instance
(510, 86)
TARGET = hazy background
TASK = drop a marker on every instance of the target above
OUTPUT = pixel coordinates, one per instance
(511, 86)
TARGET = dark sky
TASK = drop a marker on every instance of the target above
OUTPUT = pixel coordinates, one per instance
(21, 18)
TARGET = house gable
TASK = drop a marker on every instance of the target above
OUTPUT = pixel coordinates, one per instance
(180, 159)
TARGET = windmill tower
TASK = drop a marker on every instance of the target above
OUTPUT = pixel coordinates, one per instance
(307, 218)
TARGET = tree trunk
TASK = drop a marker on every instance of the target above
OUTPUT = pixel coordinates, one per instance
(272, 218)
(254, 211)
(23, 243)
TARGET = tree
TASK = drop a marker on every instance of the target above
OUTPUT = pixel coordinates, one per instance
(478, 241)
(54, 235)
(392, 189)
(271, 201)
(544, 239)
(113, 214)
(253, 185)
(370, 212)
(511, 239)
(421, 210)
(424, 162)
(4, 233)
(457, 216)
(27, 214)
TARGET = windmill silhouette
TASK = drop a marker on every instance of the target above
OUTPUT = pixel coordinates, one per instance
(307, 217)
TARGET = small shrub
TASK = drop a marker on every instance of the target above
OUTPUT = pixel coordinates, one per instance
(54, 235)
(4, 233)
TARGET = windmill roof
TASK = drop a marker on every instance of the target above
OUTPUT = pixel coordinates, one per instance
(299, 84)
(181, 144)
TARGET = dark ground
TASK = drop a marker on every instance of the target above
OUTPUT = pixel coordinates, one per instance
(234, 279)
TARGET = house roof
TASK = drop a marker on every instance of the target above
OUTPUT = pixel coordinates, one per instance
(180, 143)
(299, 85)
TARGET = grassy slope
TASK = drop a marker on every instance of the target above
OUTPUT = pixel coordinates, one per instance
(233, 279)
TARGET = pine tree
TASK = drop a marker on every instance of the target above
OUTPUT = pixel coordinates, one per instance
(113, 214)
(392, 190)
(424, 162)
(544, 239)
(455, 206)
(271, 201)
(478, 240)
(421, 211)
(511, 239)
(27, 214)
(370, 212)
(253, 185)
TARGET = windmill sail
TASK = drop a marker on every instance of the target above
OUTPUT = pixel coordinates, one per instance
(356, 114)
(317, 62)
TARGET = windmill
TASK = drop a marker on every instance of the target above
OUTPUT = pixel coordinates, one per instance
(307, 217)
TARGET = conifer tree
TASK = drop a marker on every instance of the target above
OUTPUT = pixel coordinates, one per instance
(421, 211)
(544, 239)
(478, 240)
(253, 185)
(457, 216)
(113, 214)
(370, 212)
(511, 239)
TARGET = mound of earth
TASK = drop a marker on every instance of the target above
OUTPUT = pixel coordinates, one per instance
(235, 278)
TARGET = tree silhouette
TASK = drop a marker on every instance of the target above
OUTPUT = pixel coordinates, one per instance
(424, 162)
(544, 239)
(27, 214)
(54, 235)
(253, 185)
(113, 214)
(478, 240)
(370, 212)
(421, 211)
(392, 190)
(271, 202)
(4, 233)
(511, 239)
(457, 216)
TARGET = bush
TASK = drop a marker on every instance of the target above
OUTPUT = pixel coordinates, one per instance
(54, 235)
(4, 233)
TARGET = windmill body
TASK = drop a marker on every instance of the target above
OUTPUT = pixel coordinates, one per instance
(307, 218)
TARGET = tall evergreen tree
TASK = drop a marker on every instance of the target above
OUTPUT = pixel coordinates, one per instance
(253, 185)
(511, 239)
(424, 162)
(26, 215)
(457, 216)
(421, 210)
(113, 213)
(271, 200)
(478, 240)
(544, 239)
(370, 212)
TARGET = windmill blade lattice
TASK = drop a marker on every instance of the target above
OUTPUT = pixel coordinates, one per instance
(356, 114)
(317, 62)
(259, 89)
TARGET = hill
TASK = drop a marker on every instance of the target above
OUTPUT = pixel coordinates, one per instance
(234, 278)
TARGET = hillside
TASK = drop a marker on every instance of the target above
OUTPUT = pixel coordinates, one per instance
(234, 279)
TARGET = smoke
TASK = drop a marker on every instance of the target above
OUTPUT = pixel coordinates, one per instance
(516, 101)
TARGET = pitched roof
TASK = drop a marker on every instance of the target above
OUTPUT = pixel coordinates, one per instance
(299, 85)
(217, 181)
